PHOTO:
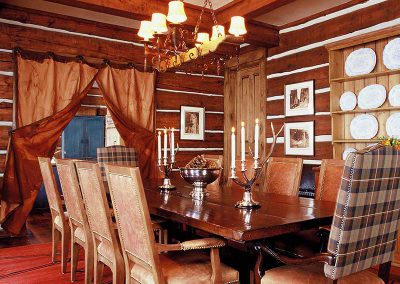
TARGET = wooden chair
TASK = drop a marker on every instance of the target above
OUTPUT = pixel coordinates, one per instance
(60, 228)
(124, 156)
(283, 176)
(106, 248)
(329, 179)
(81, 235)
(148, 262)
(364, 228)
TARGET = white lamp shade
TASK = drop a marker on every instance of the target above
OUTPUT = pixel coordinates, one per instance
(146, 30)
(159, 22)
(176, 12)
(217, 31)
(202, 38)
(237, 27)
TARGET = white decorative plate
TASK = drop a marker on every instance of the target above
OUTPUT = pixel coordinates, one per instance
(394, 96)
(361, 61)
(348, 101)
(364, 126)
(347, 152)
(372, 96)
(393, 125)
(391, 54)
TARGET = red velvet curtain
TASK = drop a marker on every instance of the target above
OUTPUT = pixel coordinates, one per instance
(49, 95)
(129, 96)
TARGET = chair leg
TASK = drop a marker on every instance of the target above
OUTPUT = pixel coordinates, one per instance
(88, 265)
(384, 271)
(98, 272)
(64, 251)
(118, 273)
(55, 236)
(165, 236)
(74, 259)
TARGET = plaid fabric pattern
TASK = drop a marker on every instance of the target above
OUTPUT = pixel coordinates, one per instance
(116, 155)
(364, 228)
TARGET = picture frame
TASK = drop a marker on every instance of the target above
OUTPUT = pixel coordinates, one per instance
(299, 138)
(192, 123)
(299, 98)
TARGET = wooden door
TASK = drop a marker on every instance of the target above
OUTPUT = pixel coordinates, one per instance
(244, 100)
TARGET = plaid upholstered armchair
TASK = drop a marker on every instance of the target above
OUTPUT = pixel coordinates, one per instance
(364, 228)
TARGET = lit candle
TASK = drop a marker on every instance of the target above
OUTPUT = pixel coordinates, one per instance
(172, 145)
(233, 146)
(159, 147)
(165, 145)
(256, 138)
(243, 142)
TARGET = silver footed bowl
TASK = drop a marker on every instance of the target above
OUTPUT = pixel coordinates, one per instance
(200, 178)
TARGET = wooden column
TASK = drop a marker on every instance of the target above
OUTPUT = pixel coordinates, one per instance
(244, 100)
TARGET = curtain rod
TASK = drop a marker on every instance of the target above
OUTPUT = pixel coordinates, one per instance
(41, 56)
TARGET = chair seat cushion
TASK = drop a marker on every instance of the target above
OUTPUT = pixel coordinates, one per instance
(314, 274)
(80, 234)
(181, 267)
(58, 221)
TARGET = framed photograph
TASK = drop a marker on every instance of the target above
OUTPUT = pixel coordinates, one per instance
(299, 138)
(299, 99)
(192, 123)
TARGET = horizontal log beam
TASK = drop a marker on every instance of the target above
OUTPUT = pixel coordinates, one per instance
(143, 9)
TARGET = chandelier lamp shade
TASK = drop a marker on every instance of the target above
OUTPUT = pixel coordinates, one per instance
(168, 43)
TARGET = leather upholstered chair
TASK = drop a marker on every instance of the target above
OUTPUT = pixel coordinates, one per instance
(329, 179)
(364, 229)
(149, 262)
(60, 227)
(106, 247)
(80, 231)
(124, 156)
(283, 176)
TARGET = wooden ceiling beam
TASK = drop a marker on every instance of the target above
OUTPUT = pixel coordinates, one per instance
(143, 9)
(249, 9)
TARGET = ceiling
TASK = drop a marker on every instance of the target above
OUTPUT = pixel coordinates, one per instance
(297, 10)
(216, 3)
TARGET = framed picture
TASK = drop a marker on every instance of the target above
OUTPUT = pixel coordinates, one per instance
(299, 138)
(299, 99)
(192, 123)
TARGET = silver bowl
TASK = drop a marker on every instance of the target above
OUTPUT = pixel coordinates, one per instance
(199, 178)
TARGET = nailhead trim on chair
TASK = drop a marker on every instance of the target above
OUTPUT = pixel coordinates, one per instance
(202, 247)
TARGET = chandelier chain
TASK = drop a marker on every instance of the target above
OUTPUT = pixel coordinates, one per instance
(214, 18)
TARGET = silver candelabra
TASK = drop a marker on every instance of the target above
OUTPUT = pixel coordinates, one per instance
(247, 183)
(166, 168)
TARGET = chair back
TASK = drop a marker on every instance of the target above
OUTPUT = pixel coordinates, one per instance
(51, 188)
(116, 155)
(95, 200)
(330, 177)
(283, 176)
(364, 228)
(133, 220)
(72, 194)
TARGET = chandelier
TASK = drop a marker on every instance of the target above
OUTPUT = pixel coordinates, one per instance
(169, 44)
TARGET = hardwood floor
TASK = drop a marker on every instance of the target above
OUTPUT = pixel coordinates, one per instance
(39, 232)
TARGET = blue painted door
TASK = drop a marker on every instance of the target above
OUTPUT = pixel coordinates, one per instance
(82, 137)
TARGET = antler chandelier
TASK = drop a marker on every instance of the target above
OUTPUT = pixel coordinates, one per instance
(168, 44)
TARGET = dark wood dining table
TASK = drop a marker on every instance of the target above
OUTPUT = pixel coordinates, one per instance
(217, 214)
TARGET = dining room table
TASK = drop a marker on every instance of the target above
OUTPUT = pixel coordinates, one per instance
(217, 215)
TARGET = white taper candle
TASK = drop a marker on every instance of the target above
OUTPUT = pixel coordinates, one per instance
(243, 142)
(233, 146)
(159, 147)
(256, 138)
(172, 145)
(165, 145)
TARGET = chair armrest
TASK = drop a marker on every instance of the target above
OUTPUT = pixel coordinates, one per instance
(262, 248)
(206, 243)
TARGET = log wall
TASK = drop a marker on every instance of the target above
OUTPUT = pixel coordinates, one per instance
(40, 31)
(301, 56)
